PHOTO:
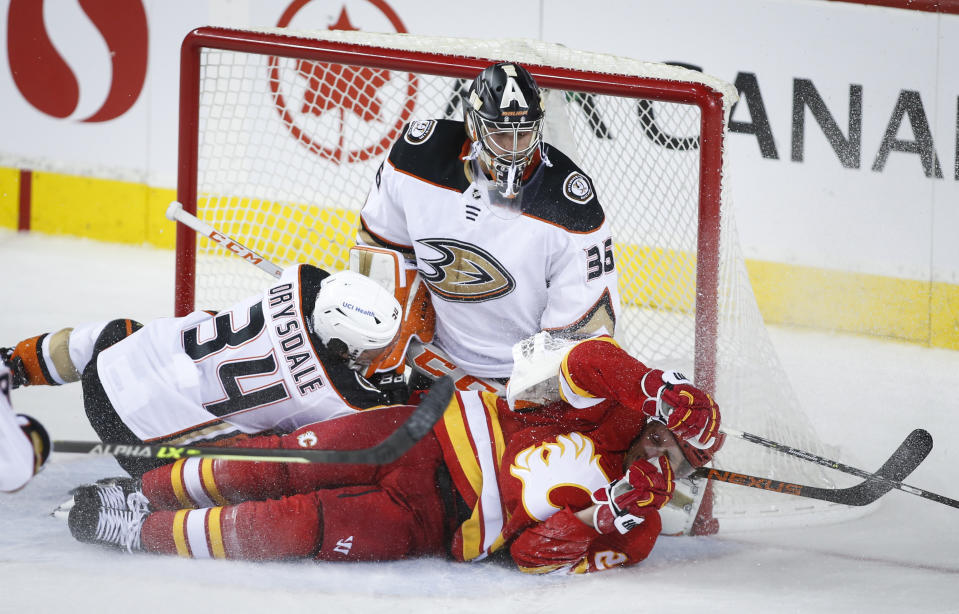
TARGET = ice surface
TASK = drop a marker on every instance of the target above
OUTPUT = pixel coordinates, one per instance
(863, 394)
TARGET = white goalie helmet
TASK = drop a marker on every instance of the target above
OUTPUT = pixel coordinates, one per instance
(358, 313)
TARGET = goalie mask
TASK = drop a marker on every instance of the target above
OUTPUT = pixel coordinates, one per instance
(356, 316)
(503, 111)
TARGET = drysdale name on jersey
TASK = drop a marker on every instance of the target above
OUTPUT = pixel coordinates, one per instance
(286, 319)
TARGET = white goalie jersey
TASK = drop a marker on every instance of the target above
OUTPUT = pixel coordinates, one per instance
(250, 368)
(496, 274)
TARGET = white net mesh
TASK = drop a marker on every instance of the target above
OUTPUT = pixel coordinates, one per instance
(288, 149)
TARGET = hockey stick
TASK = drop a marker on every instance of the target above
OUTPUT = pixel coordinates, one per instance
(414, 428)
(903, 461)
(177, 213)
(919, 438)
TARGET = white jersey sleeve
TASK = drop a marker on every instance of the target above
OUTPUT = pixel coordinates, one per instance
(83, 339)
(582, 295)
(17, 460)
(383, 218)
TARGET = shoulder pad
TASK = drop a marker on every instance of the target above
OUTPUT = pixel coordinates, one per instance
(431, 150)
(564, 195)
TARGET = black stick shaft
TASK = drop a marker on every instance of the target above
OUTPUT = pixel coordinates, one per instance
(414, 428)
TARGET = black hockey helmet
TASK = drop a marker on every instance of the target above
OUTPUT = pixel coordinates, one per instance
(503, 111)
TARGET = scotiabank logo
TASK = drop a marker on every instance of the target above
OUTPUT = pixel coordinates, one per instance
(344, 114)
(45, 78)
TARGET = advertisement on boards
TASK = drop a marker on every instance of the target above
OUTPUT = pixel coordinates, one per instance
(844, 154)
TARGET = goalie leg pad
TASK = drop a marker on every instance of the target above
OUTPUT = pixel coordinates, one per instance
(680, 513)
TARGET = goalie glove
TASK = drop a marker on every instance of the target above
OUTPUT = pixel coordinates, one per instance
(623, 504)
(687, 411)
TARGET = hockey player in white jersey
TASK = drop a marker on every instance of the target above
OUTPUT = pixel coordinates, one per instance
(273, 362)
(506, 231)
(24, 444)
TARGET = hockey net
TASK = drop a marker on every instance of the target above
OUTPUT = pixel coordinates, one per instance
(281, 134)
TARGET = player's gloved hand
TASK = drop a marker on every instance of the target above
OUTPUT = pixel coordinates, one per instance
(623, 504)
(18, 372)
(38, 438)
(687, 411)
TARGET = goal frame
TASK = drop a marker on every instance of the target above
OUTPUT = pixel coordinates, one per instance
(712, 127)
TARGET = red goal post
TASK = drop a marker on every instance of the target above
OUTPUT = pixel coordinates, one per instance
(281, 133)
(713, 102)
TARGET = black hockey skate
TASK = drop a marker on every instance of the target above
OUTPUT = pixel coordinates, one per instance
(109, 513)
(108, 492)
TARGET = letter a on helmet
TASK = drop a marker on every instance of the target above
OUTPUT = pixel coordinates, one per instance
(503, 112)
(511, 91)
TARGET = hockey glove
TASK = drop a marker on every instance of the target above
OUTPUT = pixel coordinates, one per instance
(687, 411)
(18, 371)
(623, 504)
(38, 439)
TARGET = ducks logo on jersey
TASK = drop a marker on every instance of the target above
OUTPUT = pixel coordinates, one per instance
(464, 272)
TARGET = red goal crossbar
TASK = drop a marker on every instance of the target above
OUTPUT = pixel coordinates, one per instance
(709, 101)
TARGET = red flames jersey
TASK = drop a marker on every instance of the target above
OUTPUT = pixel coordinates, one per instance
(521, 475)
(516, 470)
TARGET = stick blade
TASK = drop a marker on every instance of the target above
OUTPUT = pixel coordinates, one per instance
(432, 406)
(909, 455)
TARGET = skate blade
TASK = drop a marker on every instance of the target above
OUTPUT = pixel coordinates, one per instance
(63, 510)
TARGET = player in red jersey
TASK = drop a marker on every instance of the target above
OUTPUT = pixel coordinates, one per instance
(571, 486)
